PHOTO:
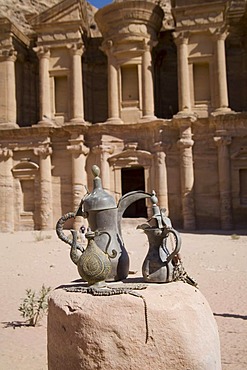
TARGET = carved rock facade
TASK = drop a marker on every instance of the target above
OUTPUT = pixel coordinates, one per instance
(152, 92)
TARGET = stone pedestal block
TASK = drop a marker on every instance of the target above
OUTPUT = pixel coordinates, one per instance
(108, 332)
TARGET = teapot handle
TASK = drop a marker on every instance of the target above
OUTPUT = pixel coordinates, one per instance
(60, 232)
(59, 227)
(114, 252)
(177, 243)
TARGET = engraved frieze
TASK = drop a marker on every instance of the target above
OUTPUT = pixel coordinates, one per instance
(58, 37)
(200, 17)
(137, 28)
(129, 20)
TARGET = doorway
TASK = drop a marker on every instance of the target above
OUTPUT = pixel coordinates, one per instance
(134, 179)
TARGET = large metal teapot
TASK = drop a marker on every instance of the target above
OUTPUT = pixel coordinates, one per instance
(104, 215)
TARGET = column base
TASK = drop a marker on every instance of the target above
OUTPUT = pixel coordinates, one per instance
(77, 121)
(223, 110)
(147, 118)
(45, 123)
(8, 126)
(185, 114)
(115, 121)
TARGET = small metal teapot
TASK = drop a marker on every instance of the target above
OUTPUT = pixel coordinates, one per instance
(159, 262)
(93, 264)
(104, 215)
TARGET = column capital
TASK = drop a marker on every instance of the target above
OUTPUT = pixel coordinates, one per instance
(76, 48)
(8, 54)
(158, 147)
(42, 52)
(222, 140)
(185, 143)
(103, 148)
(43, 151)
(147, 45)
(77, 148)
(107, 47)
(186, 135)
(181, 38)
(6, 153)
(219, 33)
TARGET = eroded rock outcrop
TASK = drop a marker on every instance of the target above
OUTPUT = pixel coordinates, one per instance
(108, 332)
(21, 11)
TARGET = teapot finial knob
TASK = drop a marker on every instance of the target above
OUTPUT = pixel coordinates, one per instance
(154, 198)
(95, 170)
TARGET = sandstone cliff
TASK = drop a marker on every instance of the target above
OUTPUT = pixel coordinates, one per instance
(19, 11)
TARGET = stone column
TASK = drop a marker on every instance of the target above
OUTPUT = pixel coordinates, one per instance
(113, 95)
(117, 182)
(6, 191)
(8, 112)
(220, 71)
(223, 141)
(46, 199)
(161, 176)
(147, 84)
(79, 176)
(181, 41)
(77, 104)
(185, 144)
(44, 86)
(113, 90)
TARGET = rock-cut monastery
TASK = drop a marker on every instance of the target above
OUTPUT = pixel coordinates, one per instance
(153, 92)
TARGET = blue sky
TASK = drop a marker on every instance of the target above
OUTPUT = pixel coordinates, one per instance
(99, 3)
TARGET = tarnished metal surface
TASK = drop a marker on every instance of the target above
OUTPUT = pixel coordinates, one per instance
(103, 214)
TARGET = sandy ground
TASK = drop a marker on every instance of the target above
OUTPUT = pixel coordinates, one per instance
(217, 261)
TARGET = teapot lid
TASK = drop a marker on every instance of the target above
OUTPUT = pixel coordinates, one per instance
(99, 199)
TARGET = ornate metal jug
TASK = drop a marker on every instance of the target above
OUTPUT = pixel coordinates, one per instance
(158, 265)
(93, 264)
(103, 214)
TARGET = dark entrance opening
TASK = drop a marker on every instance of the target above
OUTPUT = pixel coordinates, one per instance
(134, 179)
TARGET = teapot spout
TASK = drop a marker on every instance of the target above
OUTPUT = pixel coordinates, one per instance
(127, 200)
(74, 252)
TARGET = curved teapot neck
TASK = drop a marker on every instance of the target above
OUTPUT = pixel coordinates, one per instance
(97, 184)
(127, 200)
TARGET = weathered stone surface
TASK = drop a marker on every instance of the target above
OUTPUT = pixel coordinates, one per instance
(19, 12)
(89, 332)
(173, 75)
